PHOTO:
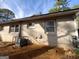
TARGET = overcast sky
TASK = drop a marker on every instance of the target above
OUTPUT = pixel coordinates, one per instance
(25, 8)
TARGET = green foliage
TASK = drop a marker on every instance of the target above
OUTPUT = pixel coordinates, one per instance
(61, 2)
(77, 51)
(75, 6)
(5, 13)
(60, 5)
(58, 9)
(54, 10)
(67, 8)
(2, 11)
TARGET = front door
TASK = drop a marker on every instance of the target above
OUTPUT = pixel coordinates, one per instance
(51, 32)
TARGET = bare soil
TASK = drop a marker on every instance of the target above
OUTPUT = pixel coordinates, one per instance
(35, 52)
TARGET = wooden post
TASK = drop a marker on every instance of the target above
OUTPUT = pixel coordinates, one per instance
(20, 31)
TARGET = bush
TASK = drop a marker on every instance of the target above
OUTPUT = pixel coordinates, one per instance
(77, 51)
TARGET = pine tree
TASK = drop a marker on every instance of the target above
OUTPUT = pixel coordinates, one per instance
(60, 5)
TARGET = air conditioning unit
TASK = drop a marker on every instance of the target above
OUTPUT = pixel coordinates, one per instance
(20, 42)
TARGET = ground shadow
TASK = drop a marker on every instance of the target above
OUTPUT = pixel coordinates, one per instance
(31, 54)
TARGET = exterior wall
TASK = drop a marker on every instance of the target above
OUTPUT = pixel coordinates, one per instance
(65, 30)
(6, 36)
(38, 30)
(32, 33)
(77, 23)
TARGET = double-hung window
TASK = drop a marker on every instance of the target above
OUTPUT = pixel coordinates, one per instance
(14, 28)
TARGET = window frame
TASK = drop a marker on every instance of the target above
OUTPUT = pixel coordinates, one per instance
(17, 28)
(13, 28)
(31, 25)
(1, 28)
(48, 26)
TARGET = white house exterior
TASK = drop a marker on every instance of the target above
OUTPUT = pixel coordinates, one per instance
(53, 29)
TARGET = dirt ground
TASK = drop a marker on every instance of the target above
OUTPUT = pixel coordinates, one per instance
(35, 52)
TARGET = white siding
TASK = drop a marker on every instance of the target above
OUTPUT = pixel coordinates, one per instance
(6, 36)
(62, 36)
(65, 31)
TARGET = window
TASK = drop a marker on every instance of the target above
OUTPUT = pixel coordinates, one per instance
(50, 26)
(1, 28)
(14, 28)
(30, 25)
(17, 28)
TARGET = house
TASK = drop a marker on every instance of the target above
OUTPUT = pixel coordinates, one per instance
(52, 29)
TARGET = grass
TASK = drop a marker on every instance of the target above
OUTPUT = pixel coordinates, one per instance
(77, 51)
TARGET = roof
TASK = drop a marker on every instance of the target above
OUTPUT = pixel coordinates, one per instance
(42, 16)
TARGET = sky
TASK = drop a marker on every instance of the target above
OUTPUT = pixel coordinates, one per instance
(26, 8)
